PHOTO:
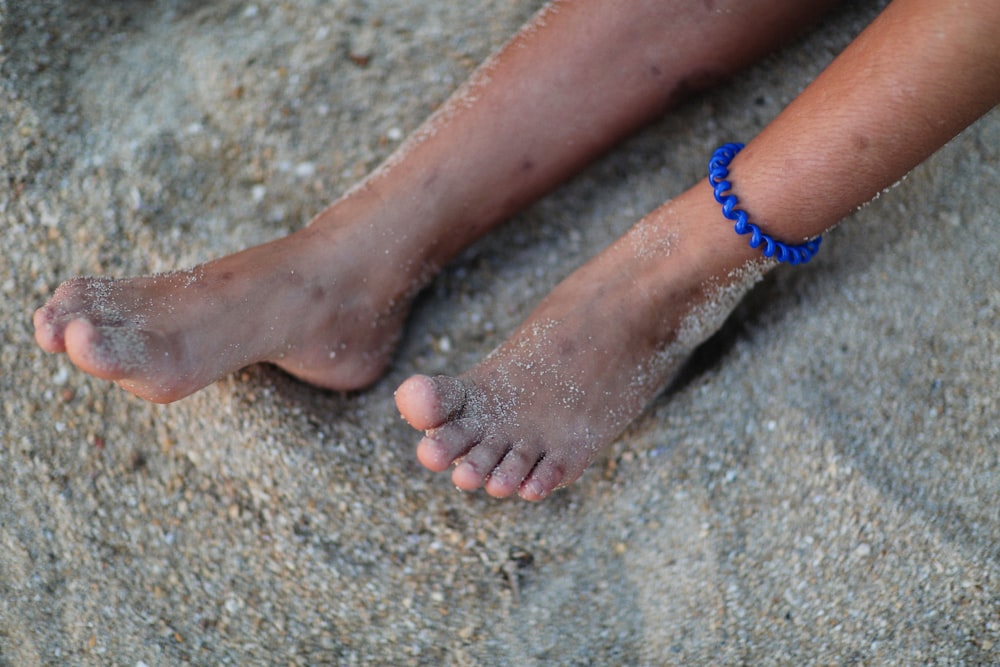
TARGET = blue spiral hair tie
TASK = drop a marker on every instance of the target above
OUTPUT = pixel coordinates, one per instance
(718, 172)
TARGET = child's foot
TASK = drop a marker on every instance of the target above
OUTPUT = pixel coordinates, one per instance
(326, 304)
(538, 410)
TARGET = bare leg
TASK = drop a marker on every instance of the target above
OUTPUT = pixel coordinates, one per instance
(538, 410)
(533, 414)
(327, 304)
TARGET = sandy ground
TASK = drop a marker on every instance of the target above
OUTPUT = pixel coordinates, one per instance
(823, 489)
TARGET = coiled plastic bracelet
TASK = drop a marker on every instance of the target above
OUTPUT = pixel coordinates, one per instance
(718, 172)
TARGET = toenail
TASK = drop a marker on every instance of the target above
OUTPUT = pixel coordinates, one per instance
(535, 489)
(499, 476)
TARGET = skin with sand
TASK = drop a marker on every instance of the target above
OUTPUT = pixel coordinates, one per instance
(538, 410)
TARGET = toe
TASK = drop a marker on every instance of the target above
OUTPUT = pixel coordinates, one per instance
(506, 478)
(84, 345)
(427, 403)
(48, 334)
(110, 353)
(543, 480)
(443, 445)
(477, 466)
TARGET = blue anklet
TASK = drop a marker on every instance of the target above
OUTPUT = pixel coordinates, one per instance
(718, 172)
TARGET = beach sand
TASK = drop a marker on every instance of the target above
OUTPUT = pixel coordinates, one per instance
(822, 488)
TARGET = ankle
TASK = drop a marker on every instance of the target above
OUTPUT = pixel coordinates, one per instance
(713, 248)
(397, 228)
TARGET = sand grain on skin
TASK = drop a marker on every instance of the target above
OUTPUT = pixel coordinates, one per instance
(835, 470)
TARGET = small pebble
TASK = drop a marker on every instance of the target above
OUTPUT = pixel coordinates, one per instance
(362, 46)
(61, 377)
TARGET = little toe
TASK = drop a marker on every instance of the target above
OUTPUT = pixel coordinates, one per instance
(427, 402)
(543, 480)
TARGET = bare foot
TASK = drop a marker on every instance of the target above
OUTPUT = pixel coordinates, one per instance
(538, 410)
(326, 304)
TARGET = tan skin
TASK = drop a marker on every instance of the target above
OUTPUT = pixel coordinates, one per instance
(532, 415)
(161, 340)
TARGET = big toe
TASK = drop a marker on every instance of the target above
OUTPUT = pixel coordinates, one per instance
(110, 353)
(83, 344)
(427, 402)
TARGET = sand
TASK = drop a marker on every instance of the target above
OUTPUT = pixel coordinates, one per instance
(823, 488)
